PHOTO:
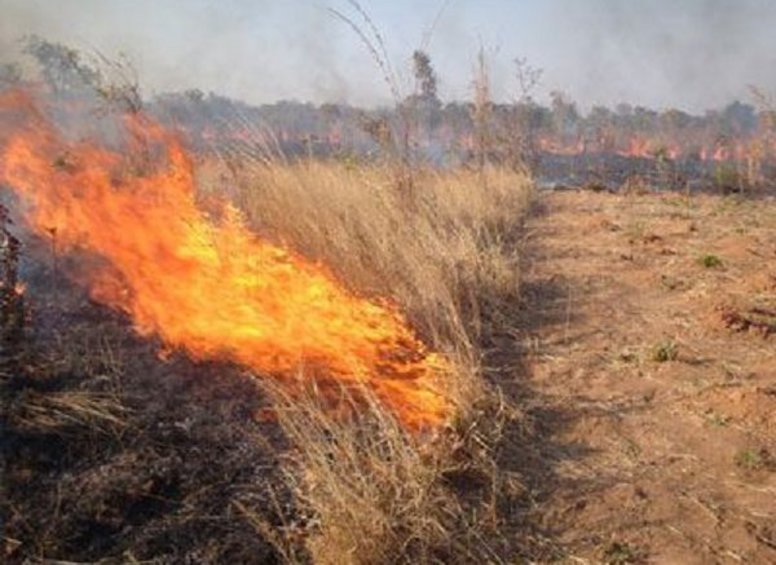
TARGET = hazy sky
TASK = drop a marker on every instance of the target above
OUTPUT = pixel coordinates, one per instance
(691, 54)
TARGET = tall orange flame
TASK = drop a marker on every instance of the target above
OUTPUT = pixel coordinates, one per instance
(212, 287)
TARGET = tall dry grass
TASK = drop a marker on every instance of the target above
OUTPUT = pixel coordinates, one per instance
(446, 253)
(442, 251)
(370, 493)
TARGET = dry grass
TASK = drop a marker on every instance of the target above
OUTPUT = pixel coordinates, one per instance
(69, 411)
(441, 252)
(446, 253)
(371, 493)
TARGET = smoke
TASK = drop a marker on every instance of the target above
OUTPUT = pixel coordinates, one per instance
(256, 50)
(693, 54)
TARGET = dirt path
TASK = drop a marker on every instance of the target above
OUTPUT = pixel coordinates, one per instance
(651, 347)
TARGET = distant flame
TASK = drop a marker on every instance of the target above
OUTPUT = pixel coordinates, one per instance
(211, 287)
(638, 148)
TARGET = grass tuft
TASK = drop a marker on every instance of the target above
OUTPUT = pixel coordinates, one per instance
(711, 261)
(665, 351)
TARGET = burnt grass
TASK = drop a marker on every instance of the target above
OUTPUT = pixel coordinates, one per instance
(110, 453)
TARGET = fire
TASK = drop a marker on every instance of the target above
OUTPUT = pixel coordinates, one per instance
(638, 148)
(211, 287)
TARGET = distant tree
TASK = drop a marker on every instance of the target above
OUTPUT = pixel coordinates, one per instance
(194, 96)
(524, 120)
(674, 120)
(421, 110)
(425, 76)
(644, 120)
(624, 110)
(565, 115)
(601, 126)
(332, 112)
(528, 79)
(738, 118)
(458, 116)
(114, 81)
(62, 67)
(10, 75)
(482, 112)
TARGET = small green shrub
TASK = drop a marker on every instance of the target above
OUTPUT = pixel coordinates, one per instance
(620, 553)
(711, 261)
(665, 351)
(718, 420)
(749, 459)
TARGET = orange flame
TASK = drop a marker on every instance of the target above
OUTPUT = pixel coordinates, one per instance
(638, 148)
(212, 287)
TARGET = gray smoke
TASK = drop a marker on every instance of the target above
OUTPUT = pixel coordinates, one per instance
(257, 50)
(691, 54)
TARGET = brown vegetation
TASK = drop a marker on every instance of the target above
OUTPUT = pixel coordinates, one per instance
(448, 256)
(361, 485)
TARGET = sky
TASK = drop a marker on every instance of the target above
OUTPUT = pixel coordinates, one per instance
(689, 54)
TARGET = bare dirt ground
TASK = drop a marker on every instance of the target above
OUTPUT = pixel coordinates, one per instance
(650, 338)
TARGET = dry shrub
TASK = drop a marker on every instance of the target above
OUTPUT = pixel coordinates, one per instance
(445, 251)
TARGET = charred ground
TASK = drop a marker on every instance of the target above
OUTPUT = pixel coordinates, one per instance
(110, 453)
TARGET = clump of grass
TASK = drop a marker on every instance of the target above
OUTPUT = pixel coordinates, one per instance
(665, 351)
(63, 412)
(636, 231)
(711, 261)
(371, 492)
(750, 459)
(718, 420)
(635, 185)
(628, 357)
(620, 553)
